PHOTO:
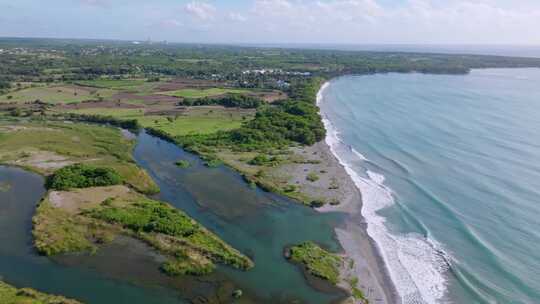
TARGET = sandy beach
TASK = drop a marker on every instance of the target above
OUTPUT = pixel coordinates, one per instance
(369, 267)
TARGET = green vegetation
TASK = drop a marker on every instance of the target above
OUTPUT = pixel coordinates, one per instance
(193, 247)
(78, 221)
(194, 121)
(265, 160)
(44, 147)
(56, 231)
(312, 177)
(356, 292)
(12, 295)
(117, 84)
(55, 94)
(211, 161)
(182, 164)
(285, 123)
(317, 261)
(52, 60)
(228, 101)
(201, 93)
(82, 176)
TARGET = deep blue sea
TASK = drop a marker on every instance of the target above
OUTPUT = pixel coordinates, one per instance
(449, 168)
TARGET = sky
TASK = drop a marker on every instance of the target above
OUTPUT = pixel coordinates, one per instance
(278, 21)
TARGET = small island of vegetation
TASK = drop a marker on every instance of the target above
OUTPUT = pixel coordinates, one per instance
(12, 295)
(317, 261)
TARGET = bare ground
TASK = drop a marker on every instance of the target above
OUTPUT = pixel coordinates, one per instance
(78, 199)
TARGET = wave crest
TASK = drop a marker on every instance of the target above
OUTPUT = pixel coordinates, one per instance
(416, 264)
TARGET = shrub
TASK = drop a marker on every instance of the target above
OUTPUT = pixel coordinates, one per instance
(317, 203)
(312, 177)
(264, 160)
(82, 176)
(229, 101)
(183, 164)
(317, 261)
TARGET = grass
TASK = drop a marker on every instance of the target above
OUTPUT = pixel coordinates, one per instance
(12, 295)
(135, 85)
(56, 94)
(46, 147)
(312, 177)
(200, 93)
(80, 220)
(317, 261)
(57, 231)
(197, 120)
(355, 291)
(116, 84)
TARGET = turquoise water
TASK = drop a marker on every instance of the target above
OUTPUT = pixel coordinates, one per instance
(449, 167)
(259, 224)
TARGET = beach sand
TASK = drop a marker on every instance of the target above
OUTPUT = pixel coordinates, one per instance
(369, 267)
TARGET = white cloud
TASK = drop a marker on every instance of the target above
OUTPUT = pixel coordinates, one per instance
(200, 10)
(236, 17)
(415, 21)
(98, 3)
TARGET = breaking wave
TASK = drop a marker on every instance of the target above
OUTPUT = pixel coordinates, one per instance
(416, 264)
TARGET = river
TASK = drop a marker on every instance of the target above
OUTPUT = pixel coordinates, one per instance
(259, 224)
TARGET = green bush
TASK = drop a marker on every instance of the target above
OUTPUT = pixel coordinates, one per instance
(317, 261)
(186, 267)
(183, 164)
(149, 216)
(229, 101)
(264, 160)
(82, 176)
(312, 177)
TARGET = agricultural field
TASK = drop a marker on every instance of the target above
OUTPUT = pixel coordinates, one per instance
(132, 85)
(201, 93)
(56, 94)
(192, 120)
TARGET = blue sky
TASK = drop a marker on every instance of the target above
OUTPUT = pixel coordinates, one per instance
(279, 21)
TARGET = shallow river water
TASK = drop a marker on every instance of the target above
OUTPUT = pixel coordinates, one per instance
(257, 223)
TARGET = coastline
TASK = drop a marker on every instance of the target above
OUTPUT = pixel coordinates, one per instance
(369, 266)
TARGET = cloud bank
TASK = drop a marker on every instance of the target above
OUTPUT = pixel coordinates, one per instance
(285, 21)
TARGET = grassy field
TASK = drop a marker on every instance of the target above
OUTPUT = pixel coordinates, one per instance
(56, 94)
(139, 85)
(12, 295)
(46, 147)
(200, 93)
(196, 120)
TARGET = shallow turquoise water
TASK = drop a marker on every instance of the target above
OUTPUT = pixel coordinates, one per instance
(450, 170)
(259, 224)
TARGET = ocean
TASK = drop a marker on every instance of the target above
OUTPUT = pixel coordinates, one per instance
(449, 169)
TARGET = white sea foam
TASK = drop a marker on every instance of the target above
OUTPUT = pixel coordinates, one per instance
(416, 264)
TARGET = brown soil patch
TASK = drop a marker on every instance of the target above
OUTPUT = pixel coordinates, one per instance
(186, 83)
(99, 104)
(44, 160)
(79, 199)
(146, 99)
(269, 96)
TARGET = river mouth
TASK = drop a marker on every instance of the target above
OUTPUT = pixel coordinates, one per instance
(126, 271)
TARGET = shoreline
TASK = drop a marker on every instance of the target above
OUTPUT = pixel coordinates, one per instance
(369, 266)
